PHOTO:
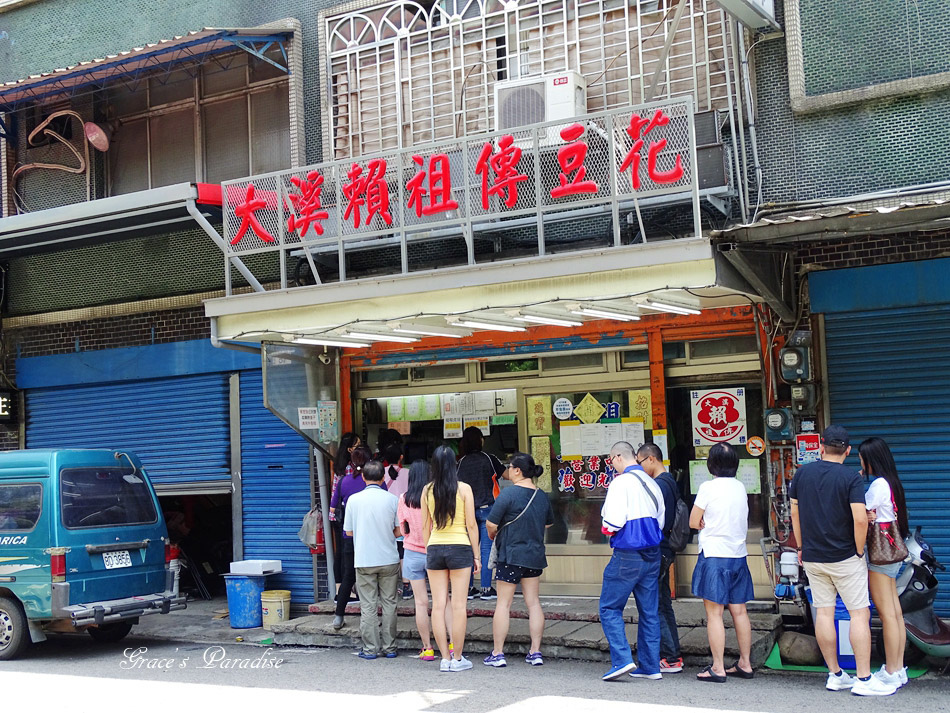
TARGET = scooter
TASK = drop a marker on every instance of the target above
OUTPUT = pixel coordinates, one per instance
(917, 589)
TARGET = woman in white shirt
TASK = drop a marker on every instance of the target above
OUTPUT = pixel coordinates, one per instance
(885, 503)
(721, 577)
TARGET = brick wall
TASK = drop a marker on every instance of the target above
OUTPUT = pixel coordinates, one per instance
(866, 250)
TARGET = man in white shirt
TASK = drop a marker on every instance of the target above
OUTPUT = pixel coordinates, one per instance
(372, 523)
(632, 515)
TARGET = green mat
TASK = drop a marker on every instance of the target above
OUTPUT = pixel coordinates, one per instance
(774, 661)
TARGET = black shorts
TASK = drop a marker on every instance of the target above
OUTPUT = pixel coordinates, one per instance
(513, 573)
(449, 556)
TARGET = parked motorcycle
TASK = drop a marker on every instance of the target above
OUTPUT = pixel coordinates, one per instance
(917, 589)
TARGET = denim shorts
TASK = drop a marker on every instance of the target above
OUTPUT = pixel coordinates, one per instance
(724, 580)
(513, 573)
(413, 565)
(891, 570)
(449, 557)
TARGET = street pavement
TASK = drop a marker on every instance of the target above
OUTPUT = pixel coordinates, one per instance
(141, 675)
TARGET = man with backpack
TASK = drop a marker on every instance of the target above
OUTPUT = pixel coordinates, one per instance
(650, 458)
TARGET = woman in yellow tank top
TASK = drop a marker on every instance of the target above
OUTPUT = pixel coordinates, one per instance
(451, 534)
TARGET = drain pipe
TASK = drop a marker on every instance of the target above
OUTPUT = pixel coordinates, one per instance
(750, 112)
(216, 341)
(323, 485)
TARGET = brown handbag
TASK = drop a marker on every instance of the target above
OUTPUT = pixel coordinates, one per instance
(885, 544)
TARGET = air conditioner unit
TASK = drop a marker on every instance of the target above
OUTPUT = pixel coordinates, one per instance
(536, 100)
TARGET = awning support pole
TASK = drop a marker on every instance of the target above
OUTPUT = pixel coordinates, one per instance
(219, 241)
(732, 253)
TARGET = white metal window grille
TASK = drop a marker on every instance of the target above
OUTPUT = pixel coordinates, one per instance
(400, 75)
(227, 119)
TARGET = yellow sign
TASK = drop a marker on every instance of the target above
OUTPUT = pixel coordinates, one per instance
(589, 410)
(641, 407)
(541, 452)
(539, 415)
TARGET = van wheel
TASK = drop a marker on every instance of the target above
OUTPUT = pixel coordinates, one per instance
(14, 630)
(110, 633)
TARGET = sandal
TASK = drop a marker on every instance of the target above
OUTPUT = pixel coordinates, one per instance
(712, 677)
(738, 672)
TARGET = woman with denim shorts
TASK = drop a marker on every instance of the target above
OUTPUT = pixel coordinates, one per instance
(721, 577)
(885, 503)
(451, 536)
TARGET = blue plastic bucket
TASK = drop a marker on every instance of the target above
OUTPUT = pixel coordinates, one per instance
(244, 600)
(843, 631)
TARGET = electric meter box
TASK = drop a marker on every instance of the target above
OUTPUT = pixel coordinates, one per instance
(795, 363)
(779, 424)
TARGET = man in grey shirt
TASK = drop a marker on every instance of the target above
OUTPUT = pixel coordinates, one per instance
(372, 523)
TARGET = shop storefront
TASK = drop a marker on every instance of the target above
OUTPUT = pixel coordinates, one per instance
(566, 401)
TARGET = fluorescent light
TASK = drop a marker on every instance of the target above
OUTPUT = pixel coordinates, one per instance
(553, 321)
(381, 337)
(486, 325)
(606, 314)
(428, 332)
(669, 307)
(329, 342)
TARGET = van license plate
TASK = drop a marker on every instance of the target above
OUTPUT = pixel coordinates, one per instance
(114, 560)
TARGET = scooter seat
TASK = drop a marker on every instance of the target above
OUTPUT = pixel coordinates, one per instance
(940, 637)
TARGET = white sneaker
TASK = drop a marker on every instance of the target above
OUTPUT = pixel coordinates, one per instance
(898, 678)
(445, 666)
(842, 682)
(463, 664)
(873, 686)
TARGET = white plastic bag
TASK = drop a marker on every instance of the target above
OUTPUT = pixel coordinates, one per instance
(312, 524)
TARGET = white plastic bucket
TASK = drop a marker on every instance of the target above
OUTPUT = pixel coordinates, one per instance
(275, 607)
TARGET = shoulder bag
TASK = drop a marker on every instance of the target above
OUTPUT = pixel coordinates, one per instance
(493, 555)
(885, 544)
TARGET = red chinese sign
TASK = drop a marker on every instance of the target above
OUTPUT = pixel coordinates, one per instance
(585, 473)
(369, 189)
(504, 166)
(718, 416)
(571, 159)
(246, 212)
(638, 129)
(439, 191)
(307, 204)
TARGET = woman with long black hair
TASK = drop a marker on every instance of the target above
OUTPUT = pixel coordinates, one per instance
(451, 536)
(885, 503)
(341, 467)
(348, 485)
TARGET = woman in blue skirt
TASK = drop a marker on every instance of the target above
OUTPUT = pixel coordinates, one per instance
(721, 577)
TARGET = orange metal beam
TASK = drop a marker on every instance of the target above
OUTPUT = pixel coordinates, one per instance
(657, 378)
(346, 395)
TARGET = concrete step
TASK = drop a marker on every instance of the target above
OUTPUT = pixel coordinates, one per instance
(572, 630)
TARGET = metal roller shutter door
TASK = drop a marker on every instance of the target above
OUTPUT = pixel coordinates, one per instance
(177, 426)
(275, 473)
(888, 377)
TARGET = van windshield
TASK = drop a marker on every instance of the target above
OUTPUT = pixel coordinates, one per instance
(100, 497)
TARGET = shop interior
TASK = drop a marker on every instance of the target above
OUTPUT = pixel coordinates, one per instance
(200, 524)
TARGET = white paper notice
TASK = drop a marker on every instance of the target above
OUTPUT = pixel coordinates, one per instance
(452, 427)
(592, 439)
(308, 417)
(613, 432)
(458, 405)
(484, 402)
(506, 401)
(570, 438)
(633, 433)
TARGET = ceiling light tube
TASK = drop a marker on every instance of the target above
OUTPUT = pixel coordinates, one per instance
(471, 324)
(329, 342)
(606, 314)
(373, 337)
(553, 321)
(428, 332)
(669, 307)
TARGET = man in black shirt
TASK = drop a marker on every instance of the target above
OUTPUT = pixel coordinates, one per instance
(650, 458)
(831, 526)
(480, 470)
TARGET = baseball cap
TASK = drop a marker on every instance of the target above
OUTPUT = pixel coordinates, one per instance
(836, 436)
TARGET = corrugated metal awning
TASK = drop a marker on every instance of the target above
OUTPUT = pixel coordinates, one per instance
(195, 47)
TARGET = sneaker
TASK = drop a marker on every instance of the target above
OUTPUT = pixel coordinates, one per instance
(427, 654)
(872, 686)
(337, 622)
(489, 593)
(840, 681)
(618, 671)
(392, 654)
(462, 664)
(474, 592)
(534, 659)
(496, 660)
(671, 665)
(364, 655)
(407, 591)
(445, 666)
(640, 673)
(903, 675)
(891, 679)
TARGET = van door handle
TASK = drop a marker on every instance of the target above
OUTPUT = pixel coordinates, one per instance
(116, 546)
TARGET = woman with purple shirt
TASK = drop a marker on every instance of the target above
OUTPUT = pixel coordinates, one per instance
(349, 484)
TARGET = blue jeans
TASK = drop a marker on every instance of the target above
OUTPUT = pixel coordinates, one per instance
(484, 544)
(669, 636)
(637, 572)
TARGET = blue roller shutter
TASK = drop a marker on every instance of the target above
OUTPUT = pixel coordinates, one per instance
(177, 426)
(888, 377)
(275, 472)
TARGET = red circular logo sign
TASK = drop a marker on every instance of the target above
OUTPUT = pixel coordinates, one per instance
(718, 417)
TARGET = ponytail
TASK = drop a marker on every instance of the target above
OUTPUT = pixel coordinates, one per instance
(525, 463)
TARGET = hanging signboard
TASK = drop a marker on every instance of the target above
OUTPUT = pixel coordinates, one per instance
(719, 416)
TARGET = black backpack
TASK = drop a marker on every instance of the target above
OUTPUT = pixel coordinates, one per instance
(678, 536)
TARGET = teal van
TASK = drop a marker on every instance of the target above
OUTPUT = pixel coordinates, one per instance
(83, 546)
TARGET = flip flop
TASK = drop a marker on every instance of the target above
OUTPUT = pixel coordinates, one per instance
(738, 672)
(712, 677)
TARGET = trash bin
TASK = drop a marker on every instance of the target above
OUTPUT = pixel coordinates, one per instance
(275, 606)
(244, 600)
